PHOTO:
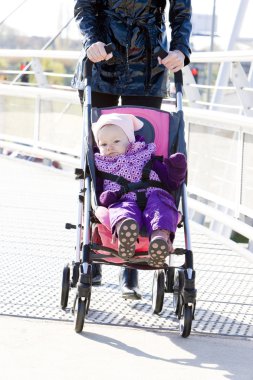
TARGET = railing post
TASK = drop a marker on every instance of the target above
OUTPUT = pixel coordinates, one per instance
(223, 74)
(238, 192)
(36, 129)
(240, 82)
(191, 92)
(38, 72)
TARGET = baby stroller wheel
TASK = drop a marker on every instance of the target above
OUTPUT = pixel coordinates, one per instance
(185, 322)
(158, 291)
(65, 287)
(169, 279)
(80, 314)
(177, 289)
(88, 305)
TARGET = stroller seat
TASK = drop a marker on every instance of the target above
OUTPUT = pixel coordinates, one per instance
(159, 127)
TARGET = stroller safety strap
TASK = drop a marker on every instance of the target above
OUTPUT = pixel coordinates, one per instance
(143, 184)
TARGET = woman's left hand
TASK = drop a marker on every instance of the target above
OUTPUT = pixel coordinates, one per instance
(174, 61)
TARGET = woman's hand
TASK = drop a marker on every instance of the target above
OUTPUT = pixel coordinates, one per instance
(174, 61)
(96, 52)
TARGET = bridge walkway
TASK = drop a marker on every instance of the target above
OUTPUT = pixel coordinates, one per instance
(35, 203)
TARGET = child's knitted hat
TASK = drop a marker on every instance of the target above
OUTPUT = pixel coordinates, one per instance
(127, 122)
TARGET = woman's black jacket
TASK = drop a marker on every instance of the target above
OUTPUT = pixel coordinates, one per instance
(136, 27)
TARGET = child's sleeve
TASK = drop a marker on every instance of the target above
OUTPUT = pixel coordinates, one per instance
(172, 171)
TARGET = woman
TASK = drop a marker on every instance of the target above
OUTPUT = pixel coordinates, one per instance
(132, 73)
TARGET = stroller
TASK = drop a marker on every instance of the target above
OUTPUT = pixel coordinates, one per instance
(93, 236)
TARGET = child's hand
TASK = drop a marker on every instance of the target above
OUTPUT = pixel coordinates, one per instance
(177, 168)
(109, 197)
(178, 160)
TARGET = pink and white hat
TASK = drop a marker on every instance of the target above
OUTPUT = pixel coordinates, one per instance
(127, 122)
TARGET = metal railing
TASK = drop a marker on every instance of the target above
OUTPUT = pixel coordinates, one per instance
(47, 122)
(220, 160)
(235, 96)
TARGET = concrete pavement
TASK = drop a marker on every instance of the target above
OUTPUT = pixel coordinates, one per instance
(43, 350)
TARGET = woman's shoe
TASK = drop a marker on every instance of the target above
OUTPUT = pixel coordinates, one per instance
(128, 282)
(96, 274)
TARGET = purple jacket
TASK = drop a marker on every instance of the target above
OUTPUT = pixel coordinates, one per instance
(130, 165)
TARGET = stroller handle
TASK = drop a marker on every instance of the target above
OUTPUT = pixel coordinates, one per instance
(159, 52)
(178, 76)
(87, 70)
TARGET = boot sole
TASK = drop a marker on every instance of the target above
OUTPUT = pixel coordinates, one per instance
(128, 235)
(158, 251)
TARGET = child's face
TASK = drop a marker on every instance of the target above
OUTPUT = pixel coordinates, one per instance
(112, 141)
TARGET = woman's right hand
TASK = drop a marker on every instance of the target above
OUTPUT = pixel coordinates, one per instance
(96, 52)
(174, 61)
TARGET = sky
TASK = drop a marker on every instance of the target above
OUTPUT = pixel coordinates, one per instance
(45, 18)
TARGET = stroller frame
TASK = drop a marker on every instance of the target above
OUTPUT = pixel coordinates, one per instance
(177, 280)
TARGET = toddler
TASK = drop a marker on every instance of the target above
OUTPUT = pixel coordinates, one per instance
(123, 161)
